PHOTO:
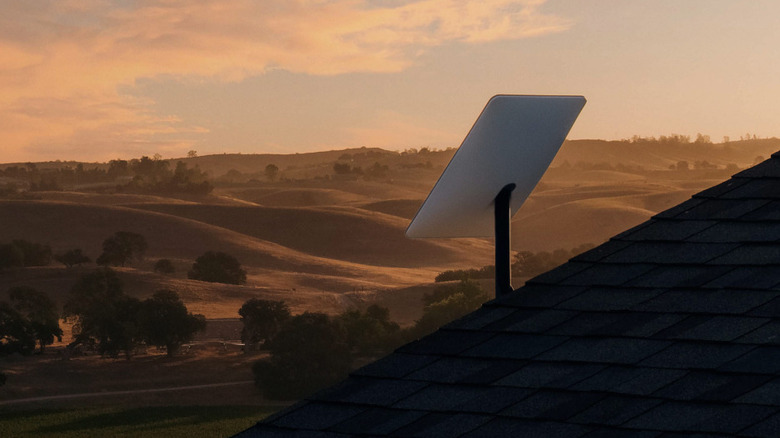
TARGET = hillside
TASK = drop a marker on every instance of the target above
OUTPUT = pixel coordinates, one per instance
(659, 155)
(325, 240)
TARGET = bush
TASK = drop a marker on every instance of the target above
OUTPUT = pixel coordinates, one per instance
(164, 266)
(467, 274)
(262, 319)
(72, 257)
(370, 333)
(21, 253)
(308, 354)
(164, 321)
(217, 267)
(122, 248)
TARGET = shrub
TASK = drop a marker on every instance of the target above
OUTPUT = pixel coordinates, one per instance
(122, 248)
(164, 321)
(262, 319)
(217, 267)
(164, 266)
(72, 257)
(308, 354)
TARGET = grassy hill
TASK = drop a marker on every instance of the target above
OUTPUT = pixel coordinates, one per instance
(324, 240)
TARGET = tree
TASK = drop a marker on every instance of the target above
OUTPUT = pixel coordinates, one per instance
(122, 248)
(21, 253)
(11, 256)
(308, 354)
(35, 254)
(40, 312)
(103, 313)
(271, 171)
(262, 319)
(164, 266)
(117, 168)
(370, 333)
(217, 267)
(192, 154)
(16, 332)
(164, 321)
(72, 257)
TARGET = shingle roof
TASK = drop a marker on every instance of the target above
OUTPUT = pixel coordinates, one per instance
(672, 327)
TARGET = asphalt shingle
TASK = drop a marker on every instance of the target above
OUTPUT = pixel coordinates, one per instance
(766, 394)
(702, 417)
(552, 405)
(550, 375)
(609, 298)
(378, 421)
(605, 350)
(696, 355)
(532, 321)
(443, 425)
(630, 380)
(615, 410)
(514, 346)
(667, 230)
(710, 386)
(712, 328)
(720, 209)
(527, 429)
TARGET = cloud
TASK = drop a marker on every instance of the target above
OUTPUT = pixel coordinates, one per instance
(65, 62)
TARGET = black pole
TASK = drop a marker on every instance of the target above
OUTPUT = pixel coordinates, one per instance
(502, 215)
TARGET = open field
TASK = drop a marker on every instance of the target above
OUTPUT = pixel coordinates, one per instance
(205, 391)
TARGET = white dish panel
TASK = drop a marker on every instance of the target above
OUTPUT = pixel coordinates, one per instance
(514, 140)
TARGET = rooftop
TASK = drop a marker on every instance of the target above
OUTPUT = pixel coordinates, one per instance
(671, 328)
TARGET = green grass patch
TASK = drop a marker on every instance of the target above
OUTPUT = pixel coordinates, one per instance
(167, 421)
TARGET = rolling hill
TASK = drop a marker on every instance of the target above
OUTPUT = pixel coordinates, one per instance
(324, 241)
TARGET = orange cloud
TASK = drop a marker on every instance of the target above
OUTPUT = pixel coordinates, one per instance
(64, 62)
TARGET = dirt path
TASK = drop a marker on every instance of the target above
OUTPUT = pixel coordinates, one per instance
(112, 393)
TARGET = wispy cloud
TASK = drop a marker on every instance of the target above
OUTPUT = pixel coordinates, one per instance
(65, 62)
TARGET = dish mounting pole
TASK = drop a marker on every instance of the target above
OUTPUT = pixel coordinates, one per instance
(503, 215)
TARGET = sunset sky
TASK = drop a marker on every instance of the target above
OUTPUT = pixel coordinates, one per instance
(96, 80)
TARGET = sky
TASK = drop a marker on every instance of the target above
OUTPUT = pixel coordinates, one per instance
(94, 80)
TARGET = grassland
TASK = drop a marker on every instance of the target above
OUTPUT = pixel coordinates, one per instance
(167, 421)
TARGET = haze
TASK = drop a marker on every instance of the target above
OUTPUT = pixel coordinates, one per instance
(95, 80)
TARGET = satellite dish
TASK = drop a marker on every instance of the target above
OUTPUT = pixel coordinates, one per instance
(500, 161)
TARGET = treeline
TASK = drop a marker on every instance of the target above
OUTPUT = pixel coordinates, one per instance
(155, 176)
(676, 139)
(111, 322)
(681, 165)
(120, 249)
(105, 319)
(313, 350)
(524, 264)
(20, 253)
(374, 172)
(144, 175)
